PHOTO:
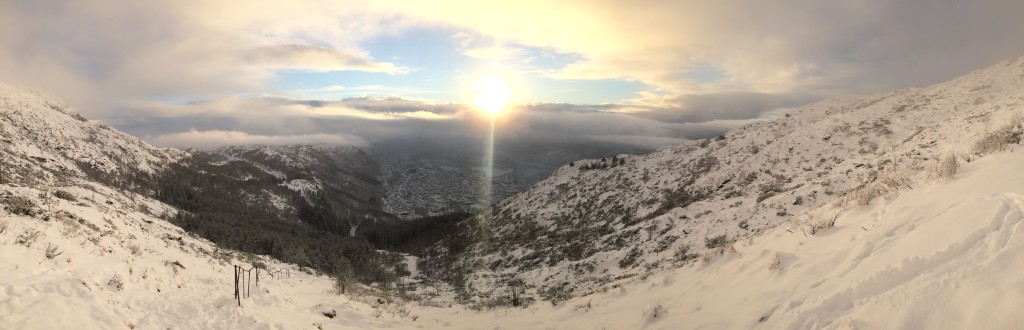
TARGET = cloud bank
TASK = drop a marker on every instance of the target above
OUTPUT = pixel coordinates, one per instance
(142, 64)
(209, 140)
(366, 121)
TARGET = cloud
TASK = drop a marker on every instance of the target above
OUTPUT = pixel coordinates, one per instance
(780, 47)
(112, 59)
(702, 108)
(325, 89)
(491, 53)
(554, 122)
(304, 57)
(208, 140)
(101, 56)
(376, 120)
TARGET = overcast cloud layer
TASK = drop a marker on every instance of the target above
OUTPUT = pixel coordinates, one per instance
(362, 121)
(142, 64)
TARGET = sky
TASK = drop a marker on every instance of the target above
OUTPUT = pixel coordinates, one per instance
(209, 73)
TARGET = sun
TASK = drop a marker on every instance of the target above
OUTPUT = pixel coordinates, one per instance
(493, 94)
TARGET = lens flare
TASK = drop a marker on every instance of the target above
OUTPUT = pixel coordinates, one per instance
(493, 94)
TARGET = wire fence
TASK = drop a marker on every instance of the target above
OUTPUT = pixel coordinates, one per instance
(243, 282)
(244, 279)
(283, 273)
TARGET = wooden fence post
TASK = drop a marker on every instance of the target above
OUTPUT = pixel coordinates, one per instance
(237, 296)
(248, 285)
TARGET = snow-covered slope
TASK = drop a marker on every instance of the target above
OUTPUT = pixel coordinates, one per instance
(947, 254)
(42, 138)
(102, 259)
(76, 251)
(584, 227)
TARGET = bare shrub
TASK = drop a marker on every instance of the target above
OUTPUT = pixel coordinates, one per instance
(894, 181)
(65, 195)
(990, 143)
(947, 167)
(824, 223)
(28, 237)
(879, 185)
(21, 205)
(69, 231)
(378, 310)
(4, 225)
(116, 282)
(679, 198)
(998, 140)
(134, 249)
(403, 312)
(683, 253)
(435, 304)
(776, 265)
(656, 311)
(52, 251)
(585, 306)
(630, 258)
(713, 242)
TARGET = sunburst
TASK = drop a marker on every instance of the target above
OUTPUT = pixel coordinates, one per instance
(493, 94)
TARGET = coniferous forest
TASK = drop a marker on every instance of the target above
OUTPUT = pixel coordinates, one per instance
(311, 230)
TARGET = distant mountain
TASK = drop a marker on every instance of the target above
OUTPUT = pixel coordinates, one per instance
(599, 221)
(424, 178)
(343, 178)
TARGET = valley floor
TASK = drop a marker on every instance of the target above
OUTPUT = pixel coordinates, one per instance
(942, 255)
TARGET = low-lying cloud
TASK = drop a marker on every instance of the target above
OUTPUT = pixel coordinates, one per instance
(367, 121)
(702, 108)
(209, 140)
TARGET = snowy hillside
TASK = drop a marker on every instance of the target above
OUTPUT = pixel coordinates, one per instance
(79, 248)
(946, 254)
(101, 258)
(42, 135)
(600, 221)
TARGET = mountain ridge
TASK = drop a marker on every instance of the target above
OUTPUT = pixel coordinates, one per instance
(41, 132)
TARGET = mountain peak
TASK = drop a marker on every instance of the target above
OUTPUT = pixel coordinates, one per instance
(13, 96)
(42, 133)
